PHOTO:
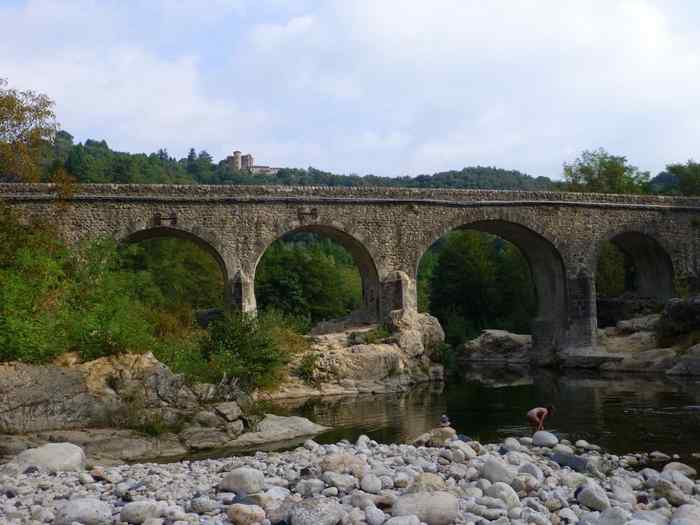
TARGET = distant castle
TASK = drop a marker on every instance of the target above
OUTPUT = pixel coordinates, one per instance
(241, 162)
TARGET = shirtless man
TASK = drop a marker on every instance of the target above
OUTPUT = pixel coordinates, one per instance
(536, 416)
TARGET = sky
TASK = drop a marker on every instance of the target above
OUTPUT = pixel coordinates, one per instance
(389, 87)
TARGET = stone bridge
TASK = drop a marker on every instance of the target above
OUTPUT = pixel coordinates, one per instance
(387, 230)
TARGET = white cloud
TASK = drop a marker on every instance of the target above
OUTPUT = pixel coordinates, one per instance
(388, 87)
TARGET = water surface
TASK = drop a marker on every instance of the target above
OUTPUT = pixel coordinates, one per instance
(622, 413)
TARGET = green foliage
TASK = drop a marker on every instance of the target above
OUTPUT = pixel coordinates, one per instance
(480, 281)
(377, 335)
(687, 176)
(311, 279)
(53, 300)
(610, 272)
(600, 172)
(241, 346)
(307, 367)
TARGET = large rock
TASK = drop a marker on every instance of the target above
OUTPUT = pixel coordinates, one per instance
(245, 514)
(498, 346)
(646, 323)
(243, 480)
(344, 463)
(198, 438)
(139, 511)
(69, 394)
(317, 511)
(593, 496)
(655, 360)
(86, 511)
(494, 470)
(438, 437)
(676, 466)
(229, 411)
(680, 316)
(53, 457)
(542, 438)
(505, 493)
(433, 508)
(688, 363)
(277, 428)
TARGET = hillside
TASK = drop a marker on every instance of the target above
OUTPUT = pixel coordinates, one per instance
(95, 162)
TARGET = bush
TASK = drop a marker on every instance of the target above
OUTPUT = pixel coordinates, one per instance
(241, 346)
(307, 367)
(377, 335)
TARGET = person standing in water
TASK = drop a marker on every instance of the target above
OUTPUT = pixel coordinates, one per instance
(537, 415)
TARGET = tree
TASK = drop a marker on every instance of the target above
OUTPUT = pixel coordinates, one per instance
(27, 126)
(688, 176)
(600, 172)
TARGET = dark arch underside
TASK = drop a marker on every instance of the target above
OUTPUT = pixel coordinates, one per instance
(653, 275)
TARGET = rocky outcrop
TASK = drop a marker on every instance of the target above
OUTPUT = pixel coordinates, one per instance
(497, 346)
(128, 407)
(350, 359)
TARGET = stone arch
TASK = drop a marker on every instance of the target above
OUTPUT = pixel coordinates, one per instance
(232, 292)
(548, 273)
(653, 267)
(361, 255)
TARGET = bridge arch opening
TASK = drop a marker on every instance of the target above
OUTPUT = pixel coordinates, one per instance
(189, 274)
(319, 273)
(634, 276)
(511, 265)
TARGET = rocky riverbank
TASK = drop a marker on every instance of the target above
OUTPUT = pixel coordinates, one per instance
(530, 480)
(131, 407)
(664, 343)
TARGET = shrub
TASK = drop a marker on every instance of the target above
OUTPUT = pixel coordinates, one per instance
(240, 346)
(377, 335)
(307, 366)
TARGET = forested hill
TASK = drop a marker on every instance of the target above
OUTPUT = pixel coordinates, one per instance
(94, 161)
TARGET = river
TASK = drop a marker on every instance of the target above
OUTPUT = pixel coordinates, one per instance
(622, 413)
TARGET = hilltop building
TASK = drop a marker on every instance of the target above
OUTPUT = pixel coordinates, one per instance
(246, 162)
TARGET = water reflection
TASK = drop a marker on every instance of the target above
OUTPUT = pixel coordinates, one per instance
(623, 413)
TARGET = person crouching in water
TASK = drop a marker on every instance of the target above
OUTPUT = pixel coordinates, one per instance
(537, 415)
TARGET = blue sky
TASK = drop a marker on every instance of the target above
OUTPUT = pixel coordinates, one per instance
(368, 86)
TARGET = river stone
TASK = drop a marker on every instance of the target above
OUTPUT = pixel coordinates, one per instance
(375, 516)
(344, 482)
(344, 463)
(53, 457)
(87, 511)
(650, 516)
(230, 411)
(614, 516)
(686, 514)
(203, 504)
(317, 511)
(309, 487)
(577, 463)
(243, 480)
(593, 496)
(139, 511)
(403, 520)
(493, 470)
(542, 438)
(371, 483)
(433, 508)
(666, 489)
(680, 467)
(245, 514)
(427, 482)
(504, 493)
